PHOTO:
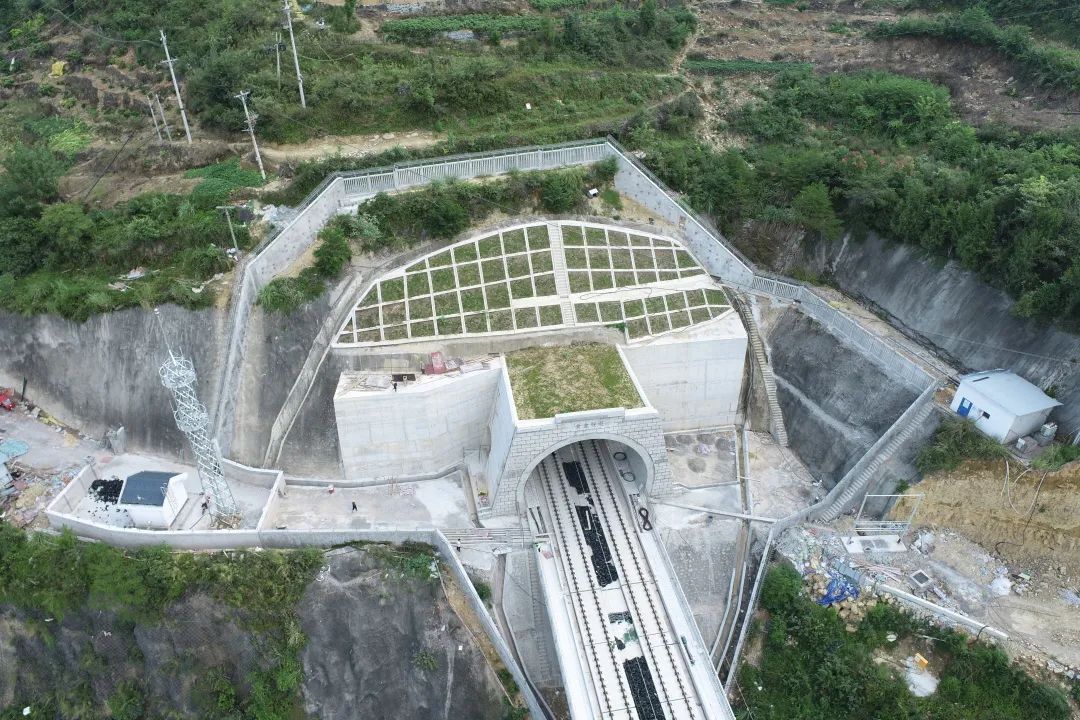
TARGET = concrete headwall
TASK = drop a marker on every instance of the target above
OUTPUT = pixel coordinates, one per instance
(836, 401)
(692, 383)
(416, 430)
(958, 314)
(535, 439)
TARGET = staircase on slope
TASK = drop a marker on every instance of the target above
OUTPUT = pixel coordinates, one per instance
(562, 280)
(757, 348)
(860, 483)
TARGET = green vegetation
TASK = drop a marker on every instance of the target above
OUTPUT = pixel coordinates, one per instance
(52, 576)
(892, 158)
(420, 30)
(1055, 456)
(1042, 63)
(708, 66)
(954, 441)
(812, 668)
(548, 381)
(1057, 19)
(333, 252)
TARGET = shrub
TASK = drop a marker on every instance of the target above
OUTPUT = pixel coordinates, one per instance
(780, 589)
(482, 589)
(954, 441)
(1055, 456)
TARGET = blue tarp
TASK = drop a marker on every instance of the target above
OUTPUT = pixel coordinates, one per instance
(838, 589)
(11, 449)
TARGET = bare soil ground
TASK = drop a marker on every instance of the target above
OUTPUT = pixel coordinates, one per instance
(832, 37)
(1007, 518)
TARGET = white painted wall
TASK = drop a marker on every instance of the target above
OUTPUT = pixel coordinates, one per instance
(417, 430)
(1002, 425)
(693, 382)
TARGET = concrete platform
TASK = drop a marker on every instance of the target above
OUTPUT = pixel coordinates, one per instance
(439, 503)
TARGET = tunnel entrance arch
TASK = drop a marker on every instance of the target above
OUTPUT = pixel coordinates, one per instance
(630, 458)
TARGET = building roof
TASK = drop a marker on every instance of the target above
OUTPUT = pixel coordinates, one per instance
(146, 488)
(1012, 392)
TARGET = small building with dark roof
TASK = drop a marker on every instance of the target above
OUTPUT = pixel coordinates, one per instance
(153, 498)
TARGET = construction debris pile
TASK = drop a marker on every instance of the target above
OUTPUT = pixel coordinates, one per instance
(949, 574)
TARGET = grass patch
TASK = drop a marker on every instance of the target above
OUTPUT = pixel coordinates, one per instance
(576, 259)
(665, 259)
(633, 308)
(655, 304)
(658, 324)
(954, 441)
(420, 308)
(595, 237)
(395, 332)
(498, 296)
(579, 282)
(541, 262)
(572, 235)
(517, 266)
(550, 315)
(679, 319)
(476, 323)
(700, 315)
(521, 289)
(708, 66)
(392, 289)
(514, 241)
(490, 246)
(637, 328)
(500, 321)
(611, 311)
(684, 259)
(586, 312)
(602, 281)
(525, 317)
(538, 237)
(548, 381)
(393, 313)
(465, 253)
(716, 296)
(493, 270)
(640, 241)
(625, 278)
(646, 276)
(417, 285)
(443, 279)
(676, 301)
(422, 329)
(621, 259)
(472, 300)
(545, 284)
(1055, 456)
(449, 325)
(644, 260)
(443, 259)
(468, 274)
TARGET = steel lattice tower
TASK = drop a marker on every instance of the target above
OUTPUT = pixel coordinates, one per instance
(178, 376)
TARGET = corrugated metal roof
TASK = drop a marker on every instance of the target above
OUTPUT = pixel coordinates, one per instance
(145, 488)
(1010, 391)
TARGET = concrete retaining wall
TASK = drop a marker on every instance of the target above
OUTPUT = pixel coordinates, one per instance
(692, 383)
(958, 314)
(418, 429)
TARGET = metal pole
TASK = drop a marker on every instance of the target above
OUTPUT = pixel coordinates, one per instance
(277, 57)
(295, 57)
(228, 219)
(153, 117)
(251, 129)
(169, 60)
(164, 122)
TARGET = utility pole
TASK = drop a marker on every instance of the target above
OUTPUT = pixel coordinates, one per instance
(164, 122)
(169, 60)
(228, 219)
(295, 57)
(153, 117)
(251, 129)
(277, 56)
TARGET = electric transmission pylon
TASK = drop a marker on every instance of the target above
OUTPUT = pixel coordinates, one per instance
(178, 376)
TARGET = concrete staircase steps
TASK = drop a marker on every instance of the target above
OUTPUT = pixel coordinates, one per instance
(519, 537)
(558, 262)
(568, 317)
(847, 498)
(761, 359)
(544, 664)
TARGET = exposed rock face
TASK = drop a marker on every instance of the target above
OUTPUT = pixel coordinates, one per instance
(836, 402)
(379, 647)
(389, 648)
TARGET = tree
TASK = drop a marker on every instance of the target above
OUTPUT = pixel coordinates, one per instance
(30, 179)
(66, 229)
(814, 211)
(647, 16)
